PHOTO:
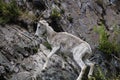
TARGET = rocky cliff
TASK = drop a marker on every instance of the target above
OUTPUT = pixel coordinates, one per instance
(22, 56)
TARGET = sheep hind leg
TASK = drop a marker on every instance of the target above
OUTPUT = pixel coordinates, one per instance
(83, 68)
(91, 64)
(78, 58)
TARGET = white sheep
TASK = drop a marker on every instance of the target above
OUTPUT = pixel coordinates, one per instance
(69, 45)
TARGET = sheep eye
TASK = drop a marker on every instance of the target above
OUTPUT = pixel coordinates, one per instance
(41, 24)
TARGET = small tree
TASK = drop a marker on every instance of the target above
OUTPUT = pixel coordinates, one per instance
(105, 45)
(9, 12)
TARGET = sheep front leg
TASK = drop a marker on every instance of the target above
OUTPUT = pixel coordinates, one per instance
(54, 49)
(63, 64)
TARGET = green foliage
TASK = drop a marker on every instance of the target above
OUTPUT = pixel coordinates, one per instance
(26, 15)
(8, 11)
(55, 14)
(35, 49)
(98, 74)
(105, 45)
(46, 44)
(70, 19)
(117, 78)
(62, 11)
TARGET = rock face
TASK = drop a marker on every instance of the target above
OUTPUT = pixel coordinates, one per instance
(14, 48)
(22, 56)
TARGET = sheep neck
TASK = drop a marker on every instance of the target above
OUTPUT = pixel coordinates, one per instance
(50, 33)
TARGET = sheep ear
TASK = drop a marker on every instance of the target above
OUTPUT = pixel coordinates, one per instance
(45, 22)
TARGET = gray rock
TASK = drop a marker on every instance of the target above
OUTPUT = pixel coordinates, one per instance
(21, 76)
(2, 70)
(56, 74)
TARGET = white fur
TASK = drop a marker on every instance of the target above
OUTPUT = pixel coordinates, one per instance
(67, 44)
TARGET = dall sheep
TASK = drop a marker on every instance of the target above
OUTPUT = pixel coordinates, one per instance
(67, 44)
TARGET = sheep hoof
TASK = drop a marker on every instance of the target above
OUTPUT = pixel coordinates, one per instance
(90, 77)
(33, 78)
(43, 70)
(63, 68)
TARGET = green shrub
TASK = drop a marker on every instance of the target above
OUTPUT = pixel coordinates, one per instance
(47, 45)
(117, 78)
(55, 14)
(62, 11)
(70, 19)
(105, 45)
(9, 12)
(98, 74)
